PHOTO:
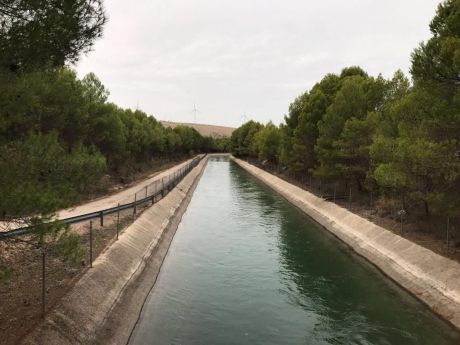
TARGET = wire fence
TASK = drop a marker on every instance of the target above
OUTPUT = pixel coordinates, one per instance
(365, 203)
(37, 274)
(148, 194)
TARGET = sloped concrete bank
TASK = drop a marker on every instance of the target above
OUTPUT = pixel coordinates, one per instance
(104, 305)
(433, 279)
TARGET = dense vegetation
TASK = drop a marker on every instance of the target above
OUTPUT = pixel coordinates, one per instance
(59, 136)
(394, 137)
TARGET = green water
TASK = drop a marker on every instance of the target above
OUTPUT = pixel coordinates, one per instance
(246, 267)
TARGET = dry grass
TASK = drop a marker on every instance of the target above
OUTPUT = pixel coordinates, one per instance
(205, 130)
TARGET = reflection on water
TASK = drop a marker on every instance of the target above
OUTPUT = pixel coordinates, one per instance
(246, 267)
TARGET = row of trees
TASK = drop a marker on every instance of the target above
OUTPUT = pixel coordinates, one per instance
(394, 137)
(58, 134)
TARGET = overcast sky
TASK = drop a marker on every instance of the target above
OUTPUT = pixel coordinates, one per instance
(229, 57)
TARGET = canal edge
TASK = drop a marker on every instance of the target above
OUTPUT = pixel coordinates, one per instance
(429, 277)
(116, 329)
(104, 305)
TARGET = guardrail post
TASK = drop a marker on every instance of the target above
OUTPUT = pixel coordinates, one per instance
(118, 220)
(101, 215)
(43, 280)
(91, 244)
(146, 191)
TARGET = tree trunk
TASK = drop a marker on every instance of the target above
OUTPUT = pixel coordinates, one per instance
(427, 209)
(359, 184)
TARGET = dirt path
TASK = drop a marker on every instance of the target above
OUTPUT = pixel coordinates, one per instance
(124, 196)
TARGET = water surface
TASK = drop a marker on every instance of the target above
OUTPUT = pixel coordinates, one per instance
(246, 267)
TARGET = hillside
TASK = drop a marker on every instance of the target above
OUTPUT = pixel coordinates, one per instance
(205, 130)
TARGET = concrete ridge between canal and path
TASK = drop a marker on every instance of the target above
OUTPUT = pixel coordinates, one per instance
(432, 278)
(104, 305)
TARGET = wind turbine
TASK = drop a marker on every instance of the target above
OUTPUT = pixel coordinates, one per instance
(244, 117)
(194, 111)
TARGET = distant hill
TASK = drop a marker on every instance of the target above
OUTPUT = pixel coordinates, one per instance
(205, 130)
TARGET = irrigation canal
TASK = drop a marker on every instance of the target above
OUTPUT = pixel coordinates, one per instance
(246, 267)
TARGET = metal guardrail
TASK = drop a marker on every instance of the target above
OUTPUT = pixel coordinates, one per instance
(173, 180)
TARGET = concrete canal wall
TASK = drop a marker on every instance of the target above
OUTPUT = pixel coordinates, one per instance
(104, 305)
(433, 279)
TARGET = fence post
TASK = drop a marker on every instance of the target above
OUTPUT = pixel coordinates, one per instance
(448, 226)
(91, 244)
(43, 280)
(402, 225)
(118, 220)
(134, 209)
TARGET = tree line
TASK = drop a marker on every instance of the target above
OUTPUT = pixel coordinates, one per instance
(59, 135)
(396, 138)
